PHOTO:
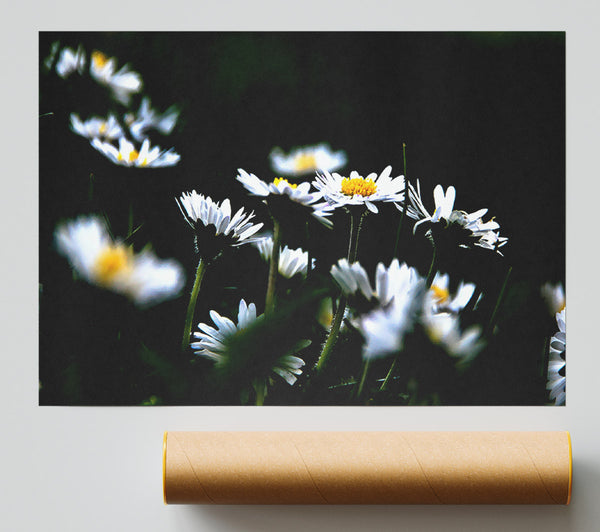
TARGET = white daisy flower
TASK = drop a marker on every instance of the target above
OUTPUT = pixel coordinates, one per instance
(291, 261)
(148, 118)
(306, 160)
(397, 279)
(556, 362)
(70, 61)
(385, 327)
(200, 211)
(213, 343)
(96, 127)
(356, 190)
(489, 240)
(122, 83)
(127, 155)
(279, 188)
(113, 265)
(351, 278)
(440, 298)
(554, 295)
(443, 329)
(482, 231)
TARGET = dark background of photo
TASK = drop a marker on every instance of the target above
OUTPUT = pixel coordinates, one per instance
(484, 112)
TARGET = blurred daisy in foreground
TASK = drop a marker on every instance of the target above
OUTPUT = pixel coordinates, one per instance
(556, 362)
(306, 160)
(70, 61)
(96, 127)
(281, 189)
(395, 280)
(291, 261)
(399, 293)
(147, 118)
(123, 83)
(99, 260)
(127, 155)
(356, 190)
(440, 298)
(215, 343)
(483, 233)
(554, 296)
(443, 329)
(385, 327)
(200, 212)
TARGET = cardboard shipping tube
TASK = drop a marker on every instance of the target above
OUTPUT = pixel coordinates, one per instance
(367, 467)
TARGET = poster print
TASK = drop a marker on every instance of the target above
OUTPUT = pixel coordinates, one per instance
(248, 218)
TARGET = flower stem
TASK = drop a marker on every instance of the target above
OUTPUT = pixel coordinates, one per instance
(431, 272)
(399, 230)
(333, 334)
(389, 373)
(354, 255)
(187, 331)
(341, 308)
(350, 239)
(273, 269)
(545, 359)
(260, 394)
(498, 301)
(130, 220)
(363, 378)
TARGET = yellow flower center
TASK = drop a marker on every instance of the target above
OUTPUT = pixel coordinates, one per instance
(305, 161)
(441, 295)
(133, 155)
(358, 186)
(102, 128)
(278, 180)
(112, 261)
(99, 59)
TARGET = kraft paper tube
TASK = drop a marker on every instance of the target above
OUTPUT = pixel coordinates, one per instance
(367, 467)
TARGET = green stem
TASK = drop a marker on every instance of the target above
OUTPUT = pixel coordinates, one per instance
(431, 272)
(333, 335)
(354, 256)
(187, 331)
(350, 239)
(273, 269)
(399, 230)
(363, 378)
(130, 220)
(260, 394)
(339, 313)
(545, 359)
(389, 373)
(498, 301)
